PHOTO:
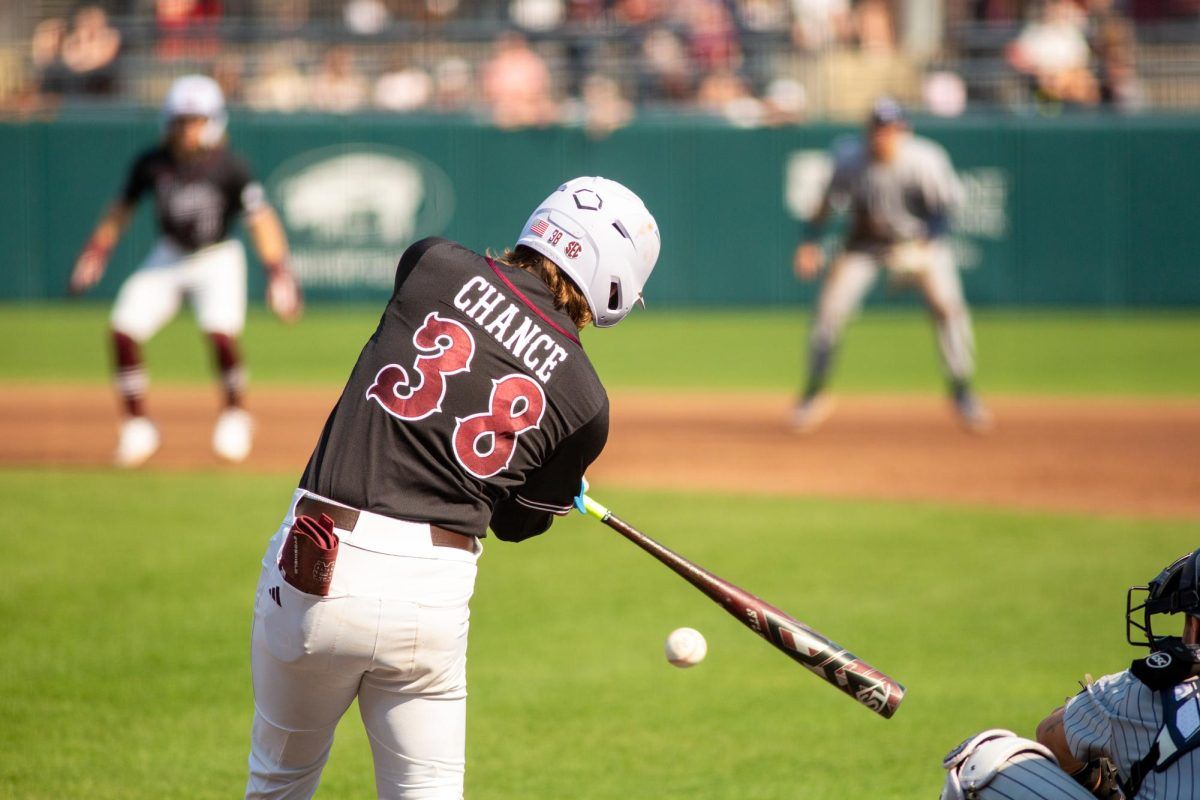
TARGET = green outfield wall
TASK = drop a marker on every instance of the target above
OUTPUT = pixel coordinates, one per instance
(1087, 212)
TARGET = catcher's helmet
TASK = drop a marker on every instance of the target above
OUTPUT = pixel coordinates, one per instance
(197, 96)
(600, 234)
(1175, 590)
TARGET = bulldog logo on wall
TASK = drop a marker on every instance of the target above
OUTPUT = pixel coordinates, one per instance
(350, 211)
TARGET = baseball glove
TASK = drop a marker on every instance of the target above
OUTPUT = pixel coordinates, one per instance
(1099, 776)
(908, 260)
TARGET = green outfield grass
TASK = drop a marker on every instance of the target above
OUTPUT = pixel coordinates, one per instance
(1041, 352)
(126, 602)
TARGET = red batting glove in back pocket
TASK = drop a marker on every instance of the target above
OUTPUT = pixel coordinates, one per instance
(309, 553)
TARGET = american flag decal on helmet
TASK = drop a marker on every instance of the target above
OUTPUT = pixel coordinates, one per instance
(539, 227)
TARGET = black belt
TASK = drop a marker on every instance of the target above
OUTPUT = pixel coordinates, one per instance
(346, 518)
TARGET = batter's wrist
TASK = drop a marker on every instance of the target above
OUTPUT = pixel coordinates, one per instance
(274, 268)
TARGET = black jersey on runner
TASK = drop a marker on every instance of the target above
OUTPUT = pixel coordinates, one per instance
(196, 199)
(472, 404)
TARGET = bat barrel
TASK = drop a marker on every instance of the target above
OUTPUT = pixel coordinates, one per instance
(821, 656)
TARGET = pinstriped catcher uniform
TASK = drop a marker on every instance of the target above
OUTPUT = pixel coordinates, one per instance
(1120, 717)
(1144, 721)
(999, 765)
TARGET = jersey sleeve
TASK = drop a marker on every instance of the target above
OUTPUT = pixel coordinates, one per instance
(942, 190)
(139, 180)
(550, 490)
(845, 153)
(1087, 718)
(246, 194)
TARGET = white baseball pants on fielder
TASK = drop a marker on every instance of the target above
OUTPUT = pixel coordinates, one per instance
(213, 278)
(855, 272)
(393, 633)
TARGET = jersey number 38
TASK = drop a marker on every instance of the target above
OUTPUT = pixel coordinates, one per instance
(483, 443)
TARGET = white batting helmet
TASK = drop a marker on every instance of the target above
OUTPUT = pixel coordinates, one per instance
(600, 234)
(197, 96)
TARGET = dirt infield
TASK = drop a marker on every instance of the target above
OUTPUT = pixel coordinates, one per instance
(1096, 456)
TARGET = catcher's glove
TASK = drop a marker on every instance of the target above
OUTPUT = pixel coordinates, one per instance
(1099, 776)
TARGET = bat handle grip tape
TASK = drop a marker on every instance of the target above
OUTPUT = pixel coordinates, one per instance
(592, 508)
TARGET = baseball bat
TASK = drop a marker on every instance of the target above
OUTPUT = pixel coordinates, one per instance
(823, 657)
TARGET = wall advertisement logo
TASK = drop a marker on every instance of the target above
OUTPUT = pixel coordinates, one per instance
(350, 210)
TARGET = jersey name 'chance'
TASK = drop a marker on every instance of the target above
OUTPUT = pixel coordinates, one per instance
(480, 300)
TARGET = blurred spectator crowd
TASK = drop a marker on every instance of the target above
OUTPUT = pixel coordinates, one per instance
(595, 63)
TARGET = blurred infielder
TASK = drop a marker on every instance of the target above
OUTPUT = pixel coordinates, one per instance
(1146, 719)
(901, 191)
(200, 188)
(999, 765)
(473, 405)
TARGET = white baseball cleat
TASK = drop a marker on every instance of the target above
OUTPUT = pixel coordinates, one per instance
(137, 441)
(810, 414)
(233, 435)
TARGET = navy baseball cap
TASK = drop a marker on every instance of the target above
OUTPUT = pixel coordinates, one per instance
(886, 111)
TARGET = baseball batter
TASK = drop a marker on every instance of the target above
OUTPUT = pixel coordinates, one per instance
(900, 191)
(473, 405)
(1146, 719)
(999, 765)
(200, 189)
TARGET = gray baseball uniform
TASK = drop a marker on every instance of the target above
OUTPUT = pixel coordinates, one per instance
(904, 201)
(1119, 717)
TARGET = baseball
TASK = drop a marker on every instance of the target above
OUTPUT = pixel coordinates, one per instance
(686, 647)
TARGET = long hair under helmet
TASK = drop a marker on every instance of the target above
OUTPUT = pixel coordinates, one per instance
(600, 234)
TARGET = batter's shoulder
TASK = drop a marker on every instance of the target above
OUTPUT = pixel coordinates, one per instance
(434, 252)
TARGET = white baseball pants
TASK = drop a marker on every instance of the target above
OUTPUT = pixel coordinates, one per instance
(393, 633)
(855, 272)
(212, 278)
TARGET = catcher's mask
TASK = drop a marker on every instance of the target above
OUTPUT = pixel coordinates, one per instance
(1175, 590)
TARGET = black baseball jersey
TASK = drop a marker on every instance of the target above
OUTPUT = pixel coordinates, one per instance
(196, 199)
(473, 404)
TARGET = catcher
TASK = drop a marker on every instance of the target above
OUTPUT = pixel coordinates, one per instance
(901, 191)
(200, 189)
(1146, 719)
